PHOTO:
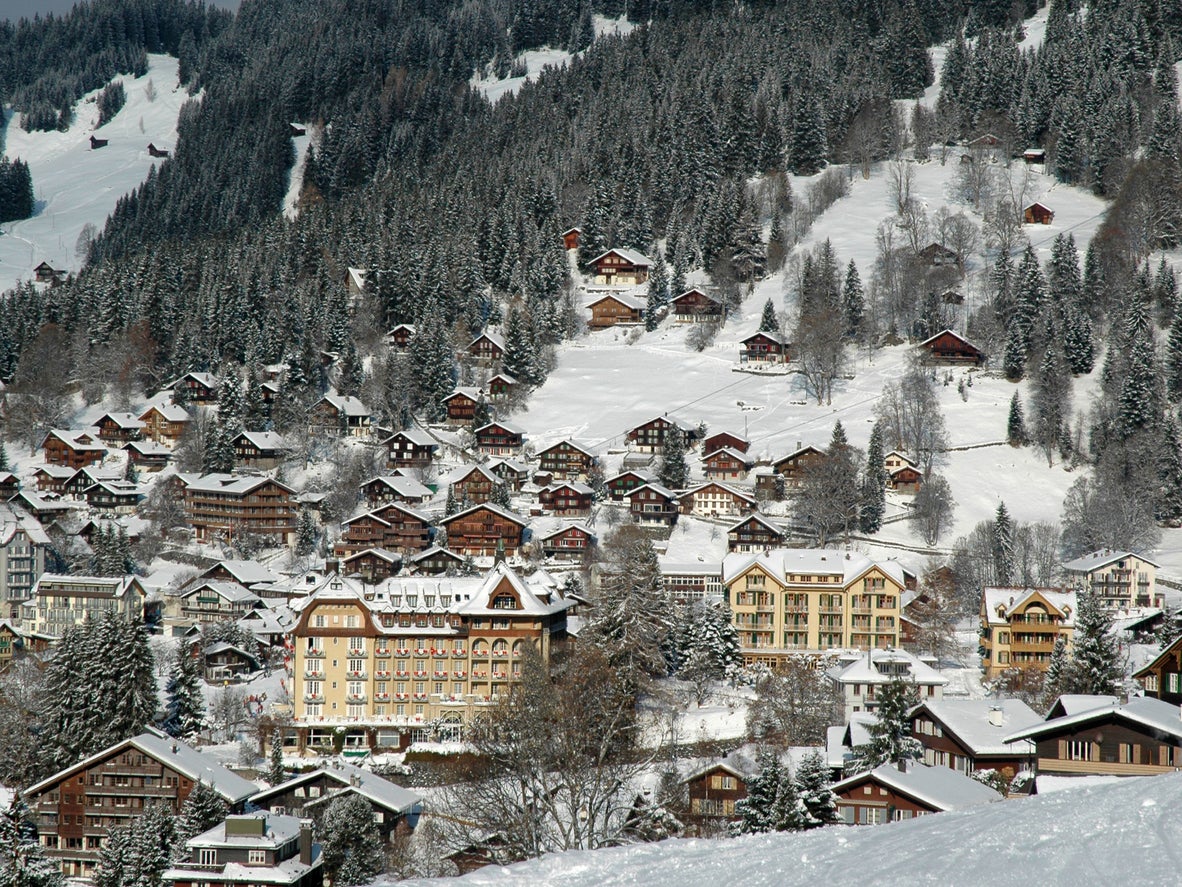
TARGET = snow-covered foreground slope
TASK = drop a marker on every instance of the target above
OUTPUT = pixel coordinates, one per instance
(75, 186)
(1125, 834)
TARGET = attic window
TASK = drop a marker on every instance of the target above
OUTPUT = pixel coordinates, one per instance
(504, 602)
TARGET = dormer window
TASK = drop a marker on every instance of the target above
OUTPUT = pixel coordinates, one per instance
(504, 602)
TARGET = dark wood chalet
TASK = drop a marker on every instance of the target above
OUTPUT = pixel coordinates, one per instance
(372, 564)
(339, 414)
(85, 478)
(570, 238)
(726, 464)
(649, 437)
(890, 794)
(259, 449)
(53, 478)
(725, 439)
(713, 792)
(793, 466)
(10, 485)
(487, 346)
(165, 423)
(119, 428)
(714, 499)
(755, 533)
(501, 386)
(1034, 156)
(114, 496)
(695, 306)
(461, 405)
(393, 527)
(400, 337)
(147, 455)
(499, 439)
(511, 472)
(1162, 678)
(620, 267)
(968, 735)
(906, 480)
(568, 498)
(625, 482)
(654, 505)
(951, 348)
(46, 273)
(198, 388)
(474, 485)
(434, 561)
(378, 491)
(484, 531)
(1038, 214)
(617, 308)
(937, 255)
(763, 347)
(220, 506)
(566, 459)
(569, 542)
(410, 448)
(73, 449)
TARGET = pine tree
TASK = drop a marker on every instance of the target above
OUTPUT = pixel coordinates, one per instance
(350, 841)
(874, 480)
(819, 804)
(853, 299)
(809, 145)
(500, 495)
(185, 710)
(306, 534)
(522, 360)
(674, 470)
(658, 292)
(1137, 402)
(772, 804)
(432, 362)
(4, 466)
(769, 323)
(452, 505)
(276, 773)
(22, 861)
(890, 734)
(1095, 661)
(1003, 546)
(1058, 677)
(1016, 423)
(202, 810)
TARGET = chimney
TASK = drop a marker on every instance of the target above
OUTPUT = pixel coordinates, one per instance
(332, 565)
(995, 716)
(354, 780)
(306, 841)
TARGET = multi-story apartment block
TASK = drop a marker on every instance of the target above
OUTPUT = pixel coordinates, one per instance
(223, 505)
(1121, 580)
(414, 657)
(251, 850)
(75, 809)
(23, 543)
(60, 602)
(1019, 627)
(787, 601)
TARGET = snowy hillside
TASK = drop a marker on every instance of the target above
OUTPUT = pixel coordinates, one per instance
(75, 186)
(1126, 834)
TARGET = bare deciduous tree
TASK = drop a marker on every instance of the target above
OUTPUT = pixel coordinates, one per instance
(913, 419)
(820, 350)
(795, 705)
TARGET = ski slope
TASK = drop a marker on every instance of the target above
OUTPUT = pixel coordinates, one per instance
(1126, 833)
(75, 186)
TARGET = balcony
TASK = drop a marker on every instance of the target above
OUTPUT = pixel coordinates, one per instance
(420, 674)
(313, 697)
(459, 674)
(402, 674)
(441, 674)
(313, 675)
(402, 651)
(382, 652)
(420, 697)
(358, 674)
(381, 675)
(357, 651)
(458, 654)
(355, 697)
(313, 654)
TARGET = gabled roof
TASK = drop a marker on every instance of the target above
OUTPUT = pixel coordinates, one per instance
(646, 476)
(231, 592)
(465, 471)
(636, 303)
(415, 436)
(465, 391)
(968, 720)
(183, 758)
(738, 494)
(504, 426)
(148, 448)
(866, 669)
(796, 455)
(728, 451)
(539, 595)
(401, 485)
(952, 333)
(780, 562)
(695, 291)
(487, 506)
(1074, 703)
(628, 255)
(434, 551)
(758, 518)
(542, 533)
(245, 572)
(262, 440)
(504, 377)
(1036, 203)
(1141, 712)
(168, 411)
(409, 327)
(390, 557)
(775, 337)
(1098, 559)
(655, 487)
(940, 788)
(669, 420)
(575, 485)
(568, 442)
(71, 438)
(346, 404)
(130, 421)
(238, 484)
(508, 464)
(206, 380)
(367, 784)
(1011, 599)
(1167, 652)
(495, 338)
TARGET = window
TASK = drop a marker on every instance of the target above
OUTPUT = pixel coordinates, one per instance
(207, 856)
(1078, 750)
(256, 857)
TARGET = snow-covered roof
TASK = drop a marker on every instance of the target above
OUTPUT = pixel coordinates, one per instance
(369, 785)
(1140, 711)
(264, 440)
(637, 303)
(538, 593)
(13, 521)
(130, 421)
(941, 788)
(415, 436)
(245, 572)
(547, 528)
(391, 557)
(347, 405)
(568, 442)
(883, 666)
(465, 471)
(183, 758)
(695, 291)
(575, 485)
(759, 519)
(71, 437)
(206, 380)
(952, 333)
(168, 411)
(512, 465)
(1074, 703)
(782, 562)
(231, 592)
(1098, 559)
(670, 567)
(738, 494)
(1002, 599)
(148, 448)
(655, 487)
(775, 337)
(402, 485)
(628, 255)
(239, 484)
(495, 338)
(982, 724)
(495, 509)
(357, 277)
(504, 426)
(728, 451)
(465, 391)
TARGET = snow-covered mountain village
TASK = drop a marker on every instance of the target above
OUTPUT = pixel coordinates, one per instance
(598, 443)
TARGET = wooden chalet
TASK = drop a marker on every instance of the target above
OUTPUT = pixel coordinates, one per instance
(410, 448)
(263, 450)
(461, 405)
(654, 505)
(714, 499)
(434, 561)
(153, 151)
(474, 484)
(372, 564)
(46, 273)
(755, 533)
(1038, 214)
(119, 428)
(501, 386)
(793, 466)
(569, 542)
(714, 790)
(10, 485)
(165, 423)
(487, 346)
(570, 238)
(620, 267)
(726, 464)
(695, 306)
(337, 415)
(567, 459)
(114, 496)
(355, 280)
(195, 388)
(895, 460)
(948, 347)
(1162, 678)
(937, 255)
(649, 437)
(968, 735)
(73, 449)
(763, 347)
(399, 337)
(222, 505)
(378, 491)
(512, 473)
(392, 527)
(1032, 156)
(147, 455)
(84, 478)
(499, 439)
(1142, 737)
(890, 793)
(617, 308)
(725, 439)
(905, 479)
(222, 661)
(484, 531)
(625, 482)
(53, 478)
(567, 498)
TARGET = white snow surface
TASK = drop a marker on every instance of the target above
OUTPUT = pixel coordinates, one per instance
(1127, 834)
(75, 186)
(296, 179)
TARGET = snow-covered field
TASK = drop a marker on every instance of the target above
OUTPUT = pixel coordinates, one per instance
(1126, 834)
(75, 186)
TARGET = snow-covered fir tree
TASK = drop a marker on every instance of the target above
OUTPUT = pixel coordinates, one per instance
(818, 803)
(202, 810)
(853, 300)
(185, 709)
(771, 804)
(890, 733)
(307, 533)
(1095, 656)
(872, 506)
(350, 841)
(1003, 545)
(674, 470)
(658, 291)
(768, 322)
(137, 855)
(1057, 680)
(276, 772)
(22, 861)
(1016, 423)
